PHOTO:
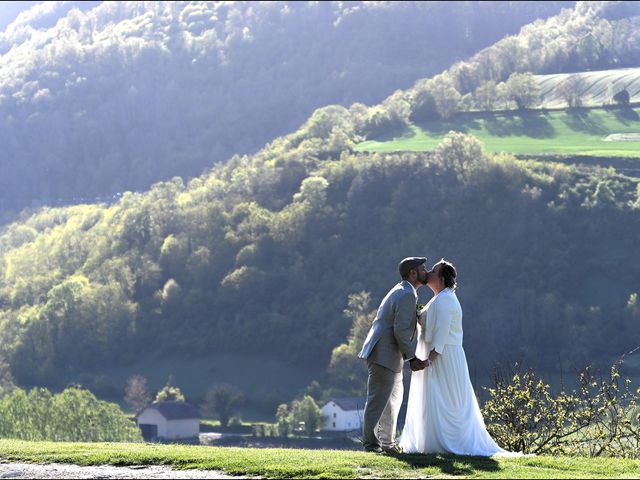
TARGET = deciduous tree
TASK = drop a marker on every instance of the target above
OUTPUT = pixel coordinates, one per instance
(222, 401)
(136, 392)
(307, 412)
(572, 90)
(170, 393)
(523, 89)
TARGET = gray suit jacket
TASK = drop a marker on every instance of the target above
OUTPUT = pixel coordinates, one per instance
(390, 340)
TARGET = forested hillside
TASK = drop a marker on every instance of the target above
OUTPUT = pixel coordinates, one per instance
(101, 97)
(592, 36)
(261, 253)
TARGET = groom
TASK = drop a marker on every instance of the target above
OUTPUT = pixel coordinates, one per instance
(388, 344)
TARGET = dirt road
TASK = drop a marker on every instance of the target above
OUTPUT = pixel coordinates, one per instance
(63, 470)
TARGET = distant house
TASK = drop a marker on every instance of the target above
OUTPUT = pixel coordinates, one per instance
(168, 421)
(343, 414)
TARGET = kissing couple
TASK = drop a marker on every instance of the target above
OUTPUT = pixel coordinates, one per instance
(443, 415)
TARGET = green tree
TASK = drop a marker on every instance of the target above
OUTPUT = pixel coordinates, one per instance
(284, 420)
(307, 412)
(223, 401)
(173, 255)
(460, 155)
(446, 97)
(325, 120)
(486, 96)
(7, 382)
(523, 89)
(380, 120)
(347, 371)
(315, 391)
(423, 102)
(170, 393)
(589, 50)
(74, 415)
(622, 97)
(313, 191)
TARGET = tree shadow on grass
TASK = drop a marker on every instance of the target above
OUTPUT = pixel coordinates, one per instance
(458, 124)
(500, 126)
(402, 133)
(536, 125)
(522, 124)
(625, 114)
(583, 121)
(451, 464)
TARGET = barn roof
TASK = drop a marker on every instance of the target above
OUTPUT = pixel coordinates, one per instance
(174, 410)
(349, 403)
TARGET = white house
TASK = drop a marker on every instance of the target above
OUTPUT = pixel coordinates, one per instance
(343, 414)
(168, 421)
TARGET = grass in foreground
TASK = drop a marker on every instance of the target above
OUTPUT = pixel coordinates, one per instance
(285, 463)
(564, 132)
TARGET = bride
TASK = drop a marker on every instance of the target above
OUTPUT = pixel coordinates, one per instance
(442, 413)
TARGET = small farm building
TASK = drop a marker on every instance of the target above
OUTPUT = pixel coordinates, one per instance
(343, 414)
(168, 421)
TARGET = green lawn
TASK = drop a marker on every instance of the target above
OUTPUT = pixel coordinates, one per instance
(579, 132)
(286, 463)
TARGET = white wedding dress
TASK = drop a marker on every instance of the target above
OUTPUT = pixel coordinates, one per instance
(442, 412)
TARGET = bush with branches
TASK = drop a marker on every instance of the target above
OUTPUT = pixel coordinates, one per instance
(599, 418)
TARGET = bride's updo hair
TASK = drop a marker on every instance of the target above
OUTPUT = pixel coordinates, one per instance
(448, 273)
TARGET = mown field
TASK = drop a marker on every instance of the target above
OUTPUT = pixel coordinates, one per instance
(597, 87)
(564, 132)
(287, 463)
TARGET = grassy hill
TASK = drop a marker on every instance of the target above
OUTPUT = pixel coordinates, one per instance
(575, 132)
(289, 463)
(596, 88)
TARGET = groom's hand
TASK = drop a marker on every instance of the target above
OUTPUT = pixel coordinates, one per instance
(416, 364)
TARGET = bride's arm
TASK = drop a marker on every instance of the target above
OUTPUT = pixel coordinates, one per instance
(422, 318)
(441, 326)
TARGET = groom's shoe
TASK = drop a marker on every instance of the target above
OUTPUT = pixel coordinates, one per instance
(392, 450)
(373, 449)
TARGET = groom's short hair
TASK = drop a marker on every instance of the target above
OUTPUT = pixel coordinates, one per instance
(406, 265)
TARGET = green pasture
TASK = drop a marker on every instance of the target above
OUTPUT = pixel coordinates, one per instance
(562, 132)
(291, 463)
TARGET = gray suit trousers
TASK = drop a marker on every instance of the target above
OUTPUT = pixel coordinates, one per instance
(384, 399)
